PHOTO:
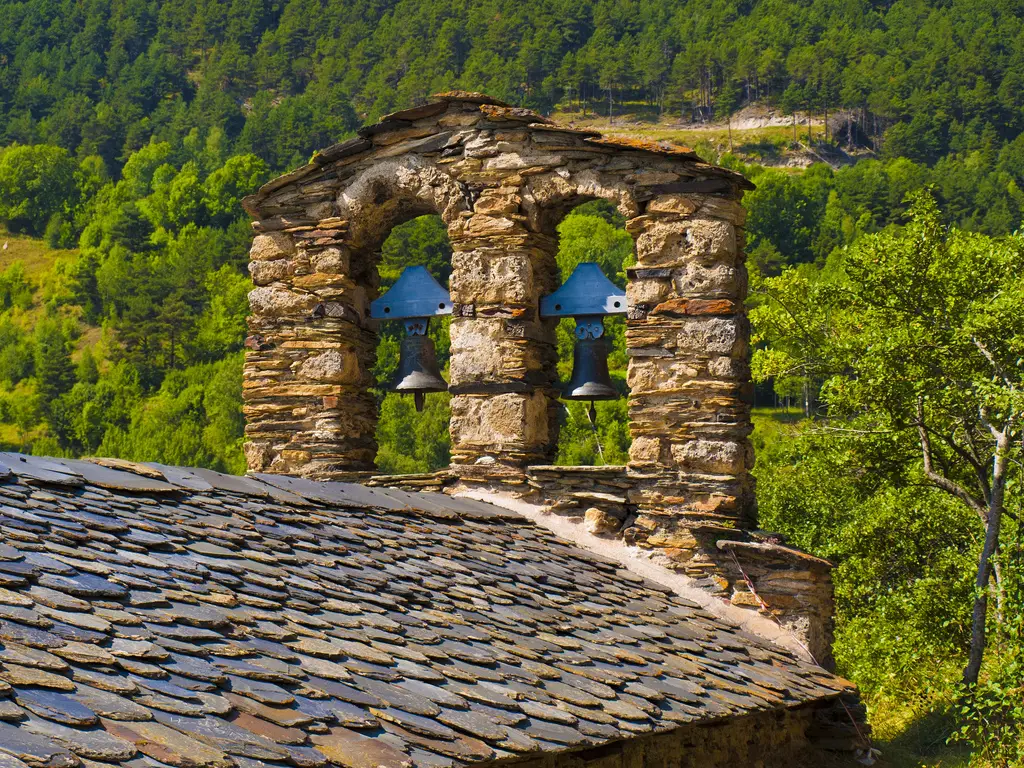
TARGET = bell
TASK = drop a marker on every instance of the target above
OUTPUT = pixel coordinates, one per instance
(590, 379)
(418, 373)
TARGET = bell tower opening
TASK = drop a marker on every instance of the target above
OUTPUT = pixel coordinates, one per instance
(409, 440)
(593, 435)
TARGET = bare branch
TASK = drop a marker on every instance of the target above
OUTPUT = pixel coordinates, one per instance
(938, 480)
(994, 363)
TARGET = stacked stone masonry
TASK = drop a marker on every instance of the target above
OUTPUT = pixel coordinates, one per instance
(501, 179)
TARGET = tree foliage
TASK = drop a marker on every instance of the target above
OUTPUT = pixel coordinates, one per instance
(279, 80)
(914, 338)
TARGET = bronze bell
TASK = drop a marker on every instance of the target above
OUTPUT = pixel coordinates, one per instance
(414, 298)
(590, 379)
(588, 296)
(418, 373)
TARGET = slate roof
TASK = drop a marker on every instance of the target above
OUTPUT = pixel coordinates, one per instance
(168, 616)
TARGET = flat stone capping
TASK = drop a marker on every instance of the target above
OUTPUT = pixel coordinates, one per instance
(772, 551)
(574, 469)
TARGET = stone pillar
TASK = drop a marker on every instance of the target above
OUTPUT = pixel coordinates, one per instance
(690, 392)
(503, 357)
(310, 351)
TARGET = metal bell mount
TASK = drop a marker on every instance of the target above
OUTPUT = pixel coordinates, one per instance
(588, 296)
(414, 298)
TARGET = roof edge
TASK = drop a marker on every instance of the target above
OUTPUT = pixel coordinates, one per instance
(643, 564)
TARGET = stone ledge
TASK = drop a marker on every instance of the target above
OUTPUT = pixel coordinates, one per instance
(770, 551)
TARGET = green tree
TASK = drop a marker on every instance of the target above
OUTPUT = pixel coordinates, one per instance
(36, 182)
(907, 338)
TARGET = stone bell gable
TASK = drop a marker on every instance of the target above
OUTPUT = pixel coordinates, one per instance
(502, 178)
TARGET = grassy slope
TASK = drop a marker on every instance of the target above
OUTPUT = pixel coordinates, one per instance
(768, 145)
(34, 254)
(37, 258)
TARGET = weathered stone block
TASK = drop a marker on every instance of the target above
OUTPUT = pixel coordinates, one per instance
(334, 261)
(278, 302)
(598, 521)
(336, 366)
(273, 245)
(258, 455)
(645, 450)
(678, 204)
(647, 291)
(481, 225)
(267, 272)
(729, 368)
(713, 335)
(506, 161)
(498, 201)
(511, 420)
(674, 243)
(480, 277)
(719, 280)
(493, 349)
(654, 374)
(711, 456)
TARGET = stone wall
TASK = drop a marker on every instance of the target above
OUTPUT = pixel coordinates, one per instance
(501, 179)
(808, 737)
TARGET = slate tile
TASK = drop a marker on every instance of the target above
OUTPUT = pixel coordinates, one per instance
(84, 585)
(16, 675)
(256, 622)
(109, 705)
(167, 745)
(24, 656)
(337, 711)
(94, 743)
(223, 735)
(55, 706)
(33, 638)
(559, 734)
(10, 711)
(352, 750)
(473, 723)
(425, 726)
(462, 748)
(397, 696)
(287, 717)
(110, 681)
(275, 733)
(9, 761)
(34, 750)
(306, 757)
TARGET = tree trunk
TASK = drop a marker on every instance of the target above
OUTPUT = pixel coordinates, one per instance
(995, 512)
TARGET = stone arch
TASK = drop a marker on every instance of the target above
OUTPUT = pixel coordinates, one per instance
(502, 178)
(687, 336)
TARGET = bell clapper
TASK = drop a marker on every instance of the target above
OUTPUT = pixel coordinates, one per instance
(419, 398)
